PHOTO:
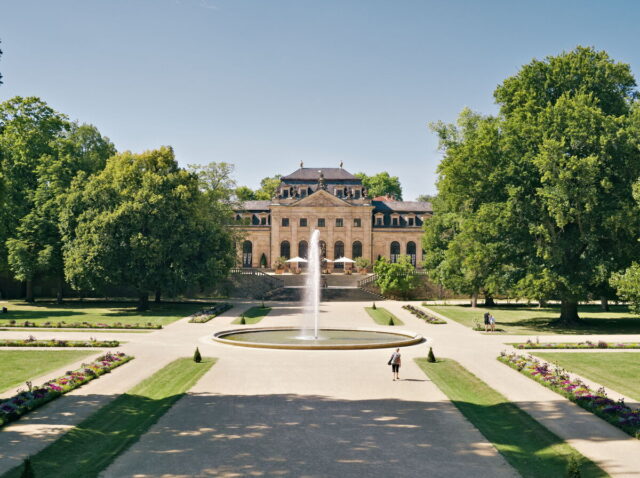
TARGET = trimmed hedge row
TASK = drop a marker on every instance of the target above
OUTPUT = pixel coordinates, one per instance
(205, 315)
(19, 405)
(33, 342)
(421, 314)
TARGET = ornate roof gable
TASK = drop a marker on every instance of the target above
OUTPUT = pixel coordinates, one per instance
(321, 198)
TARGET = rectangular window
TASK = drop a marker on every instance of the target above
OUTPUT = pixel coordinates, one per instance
(339, 193)
(285, 222)
(339, 222)
(357, 194)
(303, 222)
(411, 221)
(263, 221)
(378, 221)
(321, 222)
(395, 221)
(357, 222)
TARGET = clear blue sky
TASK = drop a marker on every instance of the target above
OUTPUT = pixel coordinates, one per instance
(266, 84)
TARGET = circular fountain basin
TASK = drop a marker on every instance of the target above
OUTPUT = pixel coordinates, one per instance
(328, 339)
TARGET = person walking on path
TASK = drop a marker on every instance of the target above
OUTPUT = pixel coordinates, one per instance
(486, 321)
(395, 362)
(492, 323)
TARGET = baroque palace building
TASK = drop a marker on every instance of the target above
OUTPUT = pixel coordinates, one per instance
(335, 202)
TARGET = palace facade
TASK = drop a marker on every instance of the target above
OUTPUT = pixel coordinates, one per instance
(335, 202)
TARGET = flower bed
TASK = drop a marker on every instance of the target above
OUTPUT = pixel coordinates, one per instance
(577, 345)
(79, 325)
(558, 380)
(15, 407)
(31, 341)
(430, 319)
(205, 315)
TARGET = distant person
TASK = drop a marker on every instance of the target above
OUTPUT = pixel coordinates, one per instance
(395, 362)
(486, 321)
(492, 323)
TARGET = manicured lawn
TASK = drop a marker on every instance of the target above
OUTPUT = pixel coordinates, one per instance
(253, 315)
(18, 366)
(528, 446)
(95, 443)
(619, 371)
(382, 316)
(533, 321)
(96, 312)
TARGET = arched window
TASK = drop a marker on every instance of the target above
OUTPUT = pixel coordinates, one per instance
(285, 249)
(303, 249)
(247, 254)
(395, 251)
(338, 252)
(356, 250)
(411, 252)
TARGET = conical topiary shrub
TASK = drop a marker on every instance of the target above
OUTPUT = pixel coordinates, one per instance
(27, 470)
(243, 321)
(573, 468)
(197, 358)
(431, 358)
(374, 306)
(391, 321)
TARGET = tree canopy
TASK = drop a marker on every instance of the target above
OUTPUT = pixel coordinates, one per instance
(541, 195)
(36, 245)
(143, 222)
(381, 184)
(396, 278)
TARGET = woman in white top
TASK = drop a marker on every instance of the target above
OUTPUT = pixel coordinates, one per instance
(395, 362)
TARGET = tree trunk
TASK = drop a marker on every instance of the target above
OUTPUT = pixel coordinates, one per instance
(143, 301)
(569, 311)
(29, 294)
(158, 297)
(60, 290)
(604, 303)
(474, 300)
(542, 303)
(488, 301)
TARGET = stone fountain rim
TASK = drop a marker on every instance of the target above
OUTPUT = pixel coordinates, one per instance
(410, 338)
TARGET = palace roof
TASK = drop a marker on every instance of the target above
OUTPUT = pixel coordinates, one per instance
(313, 174)
(401, 206)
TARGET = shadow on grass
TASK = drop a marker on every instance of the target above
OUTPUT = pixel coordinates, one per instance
(91, 446)
(616, 325)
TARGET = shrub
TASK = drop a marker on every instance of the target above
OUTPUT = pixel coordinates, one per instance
(197, 358)
(391, 321)
(243, 320)
(573, 468)
(431, 358)
(27, 470)
(374, 306)
(602, 345)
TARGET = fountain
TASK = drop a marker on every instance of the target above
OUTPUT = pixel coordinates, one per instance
(310, 335)
(311, 298)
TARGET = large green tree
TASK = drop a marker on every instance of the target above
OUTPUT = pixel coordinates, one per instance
(36, 246)
(143, 222)
(381, 184)
(560, 183)
(28, 129)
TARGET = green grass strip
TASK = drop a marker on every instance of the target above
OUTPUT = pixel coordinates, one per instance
(253, 315)
(529, 447)
(17, 366)
(382, 316)
(94, 444)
